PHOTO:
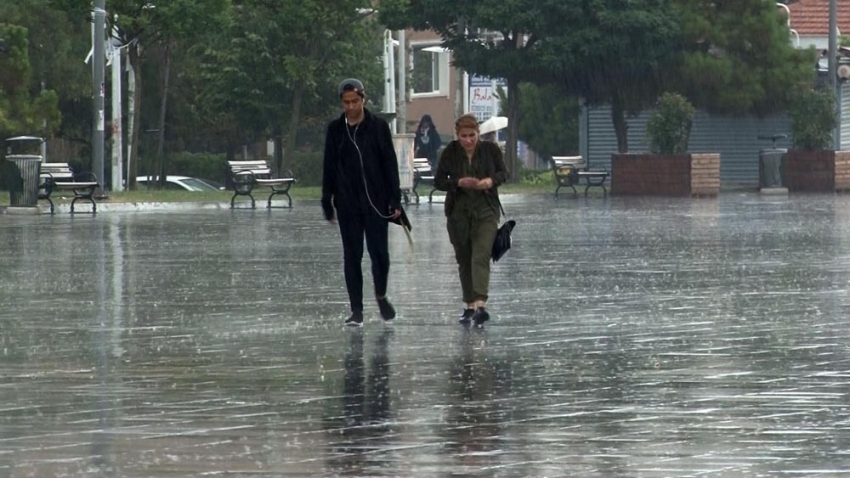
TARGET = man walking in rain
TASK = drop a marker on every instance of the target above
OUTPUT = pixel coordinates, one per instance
(360, 189)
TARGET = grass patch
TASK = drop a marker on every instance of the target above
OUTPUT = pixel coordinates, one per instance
(297, 192)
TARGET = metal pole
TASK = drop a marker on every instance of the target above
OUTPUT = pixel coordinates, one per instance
(402, 83)
(461, 29)
(833, 65)
(117, 130)
(98, 74)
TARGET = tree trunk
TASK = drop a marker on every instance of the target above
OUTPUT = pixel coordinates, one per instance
(135, 126)
(512, 160)
(159, 167)
(292, 134)
(621, 128)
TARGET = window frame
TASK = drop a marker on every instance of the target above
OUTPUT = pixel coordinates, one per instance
(443, 64)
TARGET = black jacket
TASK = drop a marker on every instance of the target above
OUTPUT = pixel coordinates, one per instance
(450, 167)
(429, 150)
(343, 179)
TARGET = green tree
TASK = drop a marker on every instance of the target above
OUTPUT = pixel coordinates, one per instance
(814, 116)
(613, 52)
(548, 119)
(161, 27)
(669, 126)
(55, 54)
(727, 57)
(737, 58)
(495, 38)
(22, 112)
(283, 58)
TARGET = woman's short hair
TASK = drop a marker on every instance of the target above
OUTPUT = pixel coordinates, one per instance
(467, 121)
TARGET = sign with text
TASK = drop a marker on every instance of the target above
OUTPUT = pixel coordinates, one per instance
(483, 102)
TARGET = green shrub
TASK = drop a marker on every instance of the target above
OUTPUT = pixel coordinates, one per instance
(307, 168)
(669, 126)
(535, 176)
(813, 119)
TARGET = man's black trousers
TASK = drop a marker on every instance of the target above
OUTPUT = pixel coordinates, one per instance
(353, 227)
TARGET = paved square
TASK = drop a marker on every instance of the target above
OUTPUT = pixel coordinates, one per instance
(630, 337)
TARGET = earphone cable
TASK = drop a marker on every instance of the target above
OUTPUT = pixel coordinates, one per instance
(363, 168)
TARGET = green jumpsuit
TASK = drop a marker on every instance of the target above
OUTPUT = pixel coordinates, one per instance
(472, 215)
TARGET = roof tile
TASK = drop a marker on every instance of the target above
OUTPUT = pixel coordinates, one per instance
(811, 17)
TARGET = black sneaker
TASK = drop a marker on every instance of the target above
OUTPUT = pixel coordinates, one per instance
(480, 316)
(356, 320)
(387, 309)
(466, 318)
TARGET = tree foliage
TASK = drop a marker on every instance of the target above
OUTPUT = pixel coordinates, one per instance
(549, 120)
(493, 38)
(813, 118)
(732, 57)
(669, 126)
(737, 57)
(282, 61)
(22, 112)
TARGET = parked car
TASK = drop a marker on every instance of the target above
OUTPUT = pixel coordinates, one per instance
(180, 183)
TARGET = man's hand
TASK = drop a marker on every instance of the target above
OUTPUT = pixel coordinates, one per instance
(396, 213)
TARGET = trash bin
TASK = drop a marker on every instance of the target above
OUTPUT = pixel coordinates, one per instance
(770, 168)
(22, 171)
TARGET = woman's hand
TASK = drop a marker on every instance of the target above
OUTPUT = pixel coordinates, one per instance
(468, 183)
(485, 183)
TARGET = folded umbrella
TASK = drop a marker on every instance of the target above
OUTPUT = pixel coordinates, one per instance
(503, 240)
(404, 222)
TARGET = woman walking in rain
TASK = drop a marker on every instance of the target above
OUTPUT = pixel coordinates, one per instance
(470, 171)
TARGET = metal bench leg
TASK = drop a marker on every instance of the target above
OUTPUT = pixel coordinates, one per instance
(275, 192)
(247, 193)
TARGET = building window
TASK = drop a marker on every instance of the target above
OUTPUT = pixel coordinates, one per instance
(429, 70)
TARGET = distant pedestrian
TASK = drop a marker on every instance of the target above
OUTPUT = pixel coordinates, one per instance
(427, 141)
(360, 189)
(470, 171)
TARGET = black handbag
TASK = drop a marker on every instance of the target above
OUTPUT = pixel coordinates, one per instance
(502, 243)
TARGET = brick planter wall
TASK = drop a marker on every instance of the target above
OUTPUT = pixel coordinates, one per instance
(817, 171)
(665, 175)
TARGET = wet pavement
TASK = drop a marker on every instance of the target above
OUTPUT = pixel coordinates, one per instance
(630, 337)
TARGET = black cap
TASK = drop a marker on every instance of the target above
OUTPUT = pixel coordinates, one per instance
(351, 84)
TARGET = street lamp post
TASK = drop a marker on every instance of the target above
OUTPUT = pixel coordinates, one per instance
(98, 78)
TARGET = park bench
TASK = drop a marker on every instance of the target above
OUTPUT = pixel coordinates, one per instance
(569, 171)
(60, 177)
(245, 176)
(423, 174)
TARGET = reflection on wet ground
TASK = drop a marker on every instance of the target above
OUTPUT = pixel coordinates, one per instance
(630, 337)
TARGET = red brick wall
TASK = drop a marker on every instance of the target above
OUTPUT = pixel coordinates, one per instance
(810, 171)
(817, 171)
(665, 175)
